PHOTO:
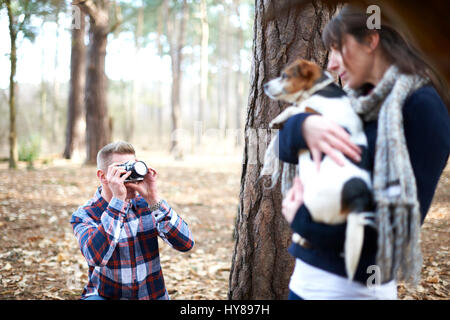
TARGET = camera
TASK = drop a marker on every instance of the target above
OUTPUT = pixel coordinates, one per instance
(138, 170)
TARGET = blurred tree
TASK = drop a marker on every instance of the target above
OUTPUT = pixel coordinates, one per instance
(51, 125)
(98, 123)
(203, 65)
(19, 15)
(176, 32)
(239, 85)
(261, 266)
(163, 11)
(76, 125)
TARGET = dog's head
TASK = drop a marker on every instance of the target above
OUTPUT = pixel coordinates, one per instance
(296, 78)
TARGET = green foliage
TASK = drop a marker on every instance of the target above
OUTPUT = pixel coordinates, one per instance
(29, 149)
(23, 11)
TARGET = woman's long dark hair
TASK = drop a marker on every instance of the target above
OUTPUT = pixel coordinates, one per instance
(353, 20)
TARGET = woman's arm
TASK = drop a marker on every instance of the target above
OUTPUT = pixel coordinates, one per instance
(291, 139)
(319, 135)
(427, 133)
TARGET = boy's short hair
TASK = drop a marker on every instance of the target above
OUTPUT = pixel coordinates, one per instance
(105, 154)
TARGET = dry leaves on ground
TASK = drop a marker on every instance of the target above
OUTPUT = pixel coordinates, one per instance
(40, 258)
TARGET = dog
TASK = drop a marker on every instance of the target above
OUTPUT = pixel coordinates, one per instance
(334, 194)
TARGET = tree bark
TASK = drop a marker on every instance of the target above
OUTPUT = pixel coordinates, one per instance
(239, 85)
(203, 67)
(261, 266)
(97, 132)
(136, 85)
(162, 19)
(76, 124)
(55, 96)
(98, 124)
(13, 152)
(177, 57)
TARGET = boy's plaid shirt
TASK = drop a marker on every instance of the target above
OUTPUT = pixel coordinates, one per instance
(119, 241)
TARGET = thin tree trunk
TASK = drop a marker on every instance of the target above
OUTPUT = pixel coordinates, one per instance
(42, 93)
(76, 124)
(13, 153)
(55, 97)
(203, 67)
(177, 57)
(261, 266)
(162, 18)
(135, 85)
(239, 85)
(226, 71)
(220, 74)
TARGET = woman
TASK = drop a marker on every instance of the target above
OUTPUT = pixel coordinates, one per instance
(408, 131)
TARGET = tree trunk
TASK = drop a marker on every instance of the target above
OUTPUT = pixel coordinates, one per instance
(76, 124)
(136, 86)
(97, 133)
(226, 71)
(98, 124)
(239, 85)
(203, 68)
(13, 153)
(177, 57)
(162, 19)
(55, 96)
(261, 266)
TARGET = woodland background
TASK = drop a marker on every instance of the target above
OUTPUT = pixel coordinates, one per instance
(181, 80)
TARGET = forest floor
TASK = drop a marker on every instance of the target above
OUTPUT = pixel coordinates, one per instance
(40, 257)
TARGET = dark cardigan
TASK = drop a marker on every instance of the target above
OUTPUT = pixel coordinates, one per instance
(427, 132)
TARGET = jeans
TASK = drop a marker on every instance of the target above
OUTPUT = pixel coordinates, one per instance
(293, 296)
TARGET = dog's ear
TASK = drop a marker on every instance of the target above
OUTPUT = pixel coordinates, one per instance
(306, 69)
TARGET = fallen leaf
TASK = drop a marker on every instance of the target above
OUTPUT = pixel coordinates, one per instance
(434, 279)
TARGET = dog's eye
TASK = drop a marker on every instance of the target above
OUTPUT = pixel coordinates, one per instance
(284, 76)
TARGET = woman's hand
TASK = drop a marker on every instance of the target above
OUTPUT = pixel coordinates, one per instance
(293, 200)
(325, 136)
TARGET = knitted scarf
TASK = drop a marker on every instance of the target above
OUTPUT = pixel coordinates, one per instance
(394, 185)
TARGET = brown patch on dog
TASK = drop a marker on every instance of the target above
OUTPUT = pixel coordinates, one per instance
(300, 75)
(277, 126)
(311, 110)
(345, 211)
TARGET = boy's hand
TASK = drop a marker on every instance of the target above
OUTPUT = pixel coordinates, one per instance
(147, 188)
(116, 182)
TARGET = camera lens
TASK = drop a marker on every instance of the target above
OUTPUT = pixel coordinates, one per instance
(140, 168)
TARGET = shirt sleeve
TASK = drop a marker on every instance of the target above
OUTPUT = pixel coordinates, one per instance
(291, 139)
(172, 228)
(98, 239)
(427, 133)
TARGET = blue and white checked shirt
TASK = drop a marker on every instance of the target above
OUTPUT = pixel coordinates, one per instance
(120, 244)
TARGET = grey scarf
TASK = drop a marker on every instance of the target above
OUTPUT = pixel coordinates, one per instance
(397, 213)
